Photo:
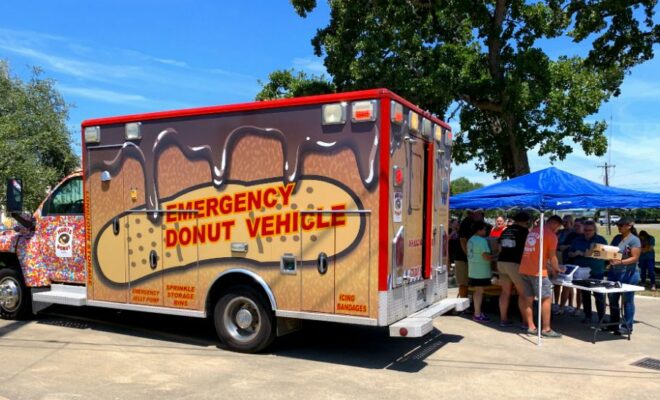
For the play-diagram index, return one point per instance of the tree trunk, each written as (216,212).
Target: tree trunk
(519,163)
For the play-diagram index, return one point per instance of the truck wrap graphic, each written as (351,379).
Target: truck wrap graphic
(202,223)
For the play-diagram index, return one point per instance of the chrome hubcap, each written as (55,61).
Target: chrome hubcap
(241,319)
(10,294)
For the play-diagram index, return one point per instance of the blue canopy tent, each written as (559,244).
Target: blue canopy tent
(551,189)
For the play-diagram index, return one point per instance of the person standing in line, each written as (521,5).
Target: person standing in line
(580,252)
(624,271)
(647,258)
(454,243)
(529,269)
(567,227)
(465,232)
(500,226)
(479,272)
(567,294)
(510,250)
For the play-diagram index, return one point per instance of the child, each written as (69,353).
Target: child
(479,271)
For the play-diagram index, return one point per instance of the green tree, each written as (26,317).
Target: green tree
(462,185)
(487,58)
(288,83)
(35,144)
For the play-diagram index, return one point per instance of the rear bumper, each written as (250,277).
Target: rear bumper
(421,322)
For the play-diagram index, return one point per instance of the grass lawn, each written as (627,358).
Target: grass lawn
(655,232)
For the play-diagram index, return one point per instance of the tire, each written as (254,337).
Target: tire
(15,297)
(243,320)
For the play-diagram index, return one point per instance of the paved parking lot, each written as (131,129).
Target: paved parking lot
(71,353)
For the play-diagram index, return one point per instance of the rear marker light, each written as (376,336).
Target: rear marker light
(403,332)
(93,134)
(334,114)
(413,121)
(363,111)
(397,113)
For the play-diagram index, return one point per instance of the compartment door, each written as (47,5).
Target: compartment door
(413,218)
(318,265)
(180,258)
(145,261)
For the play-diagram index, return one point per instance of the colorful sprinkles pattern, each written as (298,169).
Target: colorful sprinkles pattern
(36,252)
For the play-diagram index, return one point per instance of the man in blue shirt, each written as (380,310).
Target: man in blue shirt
(579,252)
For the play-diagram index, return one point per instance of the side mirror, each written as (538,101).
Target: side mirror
(14,195)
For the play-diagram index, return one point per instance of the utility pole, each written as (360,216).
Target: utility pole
(607,167)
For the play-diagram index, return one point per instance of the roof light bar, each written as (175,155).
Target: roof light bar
(363,111)
(92,134)
(396,113)
(133,131)
(437,133)
(426,127)
(334,114)
(413,121)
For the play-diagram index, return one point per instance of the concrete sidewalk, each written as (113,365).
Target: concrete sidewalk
(91,353)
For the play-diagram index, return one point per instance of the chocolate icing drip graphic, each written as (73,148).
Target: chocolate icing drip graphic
(114,166)
(216,148)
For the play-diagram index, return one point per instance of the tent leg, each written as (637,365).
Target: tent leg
(540,299)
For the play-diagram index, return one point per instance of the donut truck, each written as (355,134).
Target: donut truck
(257,216)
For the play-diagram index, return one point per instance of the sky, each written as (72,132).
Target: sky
(115,57)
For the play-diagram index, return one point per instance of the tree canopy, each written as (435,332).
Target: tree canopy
(35,144)
(287,83)
(462,185)
(488,62)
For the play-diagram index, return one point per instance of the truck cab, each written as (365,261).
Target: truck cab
(48,248)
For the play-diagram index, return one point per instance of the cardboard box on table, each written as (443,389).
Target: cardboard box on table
(605,252)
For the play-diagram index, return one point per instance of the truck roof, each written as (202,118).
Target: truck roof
(262,105)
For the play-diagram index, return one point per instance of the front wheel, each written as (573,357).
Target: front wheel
(15,298)
(243,321)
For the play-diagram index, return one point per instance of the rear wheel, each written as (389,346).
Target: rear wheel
(243,320)
(15,298)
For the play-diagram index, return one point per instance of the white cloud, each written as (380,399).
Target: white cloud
(168,61)
(313,65)
(107,96)
(74,67)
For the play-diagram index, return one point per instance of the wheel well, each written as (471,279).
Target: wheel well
(234,278)
(10,260)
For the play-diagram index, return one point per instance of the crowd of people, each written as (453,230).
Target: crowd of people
(511,249)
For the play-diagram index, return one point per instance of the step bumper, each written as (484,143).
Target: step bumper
(421,322)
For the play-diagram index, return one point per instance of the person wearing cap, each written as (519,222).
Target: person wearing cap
(529,269)
(510,246)
(624,271)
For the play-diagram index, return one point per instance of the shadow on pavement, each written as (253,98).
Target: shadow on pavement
(11,327)
(359,346)
(182,330)
(351,345)
(568,325)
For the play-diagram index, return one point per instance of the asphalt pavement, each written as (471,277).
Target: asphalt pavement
(87,353)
